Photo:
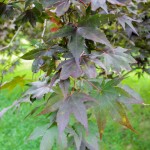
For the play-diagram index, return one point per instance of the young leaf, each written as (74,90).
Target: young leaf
(43,52)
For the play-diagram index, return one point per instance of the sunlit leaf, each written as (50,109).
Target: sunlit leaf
(18,80)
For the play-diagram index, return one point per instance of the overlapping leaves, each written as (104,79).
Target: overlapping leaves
(49,136)
(62,6)
(117,60)
(125,20)
(80,139)
(83,31)
(44,58)
(73,104)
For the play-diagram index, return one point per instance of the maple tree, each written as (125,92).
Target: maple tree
(84,54)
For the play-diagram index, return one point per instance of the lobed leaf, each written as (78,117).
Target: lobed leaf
(115,57)
(43,52)
(96,20)
(38,89)
(49,139)
(18,80)
(62,7)
(77,46)
(70,68)
(94,35)
(73,104)
(109,105)
(123,20)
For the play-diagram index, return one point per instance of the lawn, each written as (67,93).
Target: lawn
(15,130)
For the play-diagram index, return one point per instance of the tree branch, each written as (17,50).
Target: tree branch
(44,28)
(3,48)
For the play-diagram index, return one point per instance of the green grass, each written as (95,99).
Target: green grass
(15,130)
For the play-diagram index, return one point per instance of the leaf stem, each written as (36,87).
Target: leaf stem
(93,85)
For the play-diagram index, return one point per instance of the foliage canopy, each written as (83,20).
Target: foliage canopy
(84,48)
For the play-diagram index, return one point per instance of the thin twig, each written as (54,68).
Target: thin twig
(3,48)
(129,72)
(92,85)
(44,28)
(128,40)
